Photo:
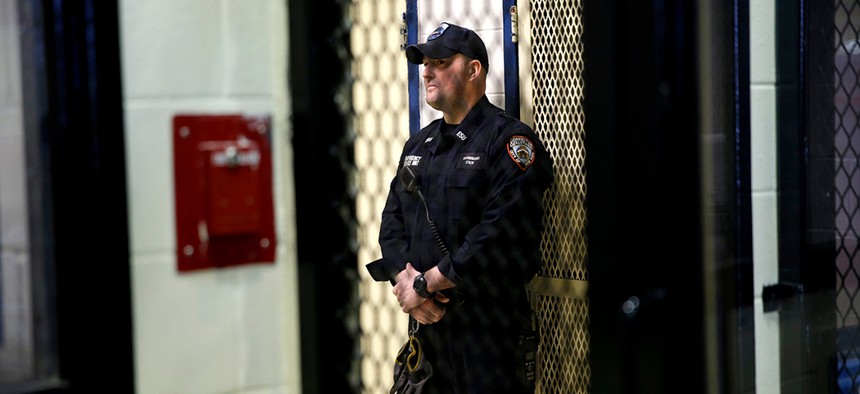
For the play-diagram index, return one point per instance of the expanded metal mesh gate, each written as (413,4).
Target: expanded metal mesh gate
(847,189)
(555,31)
(381,128)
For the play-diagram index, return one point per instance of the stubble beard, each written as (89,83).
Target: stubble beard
(433,100)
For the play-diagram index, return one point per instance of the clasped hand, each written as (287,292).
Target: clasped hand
(424,310)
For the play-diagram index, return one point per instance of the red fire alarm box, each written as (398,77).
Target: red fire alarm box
(224,194)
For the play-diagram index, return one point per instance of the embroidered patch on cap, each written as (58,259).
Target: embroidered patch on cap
(522,151)
(438,32)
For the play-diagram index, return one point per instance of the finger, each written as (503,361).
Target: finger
(436,314)
(440,313)
(441,298)
(421,319)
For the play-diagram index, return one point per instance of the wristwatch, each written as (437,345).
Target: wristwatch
(420,286)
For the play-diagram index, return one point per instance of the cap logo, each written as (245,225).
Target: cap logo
(438,32)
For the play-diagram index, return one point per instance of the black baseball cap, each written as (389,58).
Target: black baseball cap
(446,41)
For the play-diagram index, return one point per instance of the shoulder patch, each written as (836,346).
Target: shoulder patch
(522,151)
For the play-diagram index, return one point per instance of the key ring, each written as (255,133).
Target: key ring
(413,325)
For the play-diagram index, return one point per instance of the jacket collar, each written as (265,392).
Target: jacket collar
(464,131)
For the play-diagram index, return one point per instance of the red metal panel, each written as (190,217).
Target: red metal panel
(224,193)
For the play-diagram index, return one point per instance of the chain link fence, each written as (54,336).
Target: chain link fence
(846,114)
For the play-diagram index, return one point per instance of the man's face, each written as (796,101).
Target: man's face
(445,81)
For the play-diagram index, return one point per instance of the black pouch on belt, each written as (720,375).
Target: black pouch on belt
(528,347)
(527,358)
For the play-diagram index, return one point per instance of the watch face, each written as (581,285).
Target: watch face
(420,286)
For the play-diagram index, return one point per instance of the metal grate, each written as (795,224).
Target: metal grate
(847,189)
(555,33)
(381,126)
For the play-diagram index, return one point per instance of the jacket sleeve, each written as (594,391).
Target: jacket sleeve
(392,239)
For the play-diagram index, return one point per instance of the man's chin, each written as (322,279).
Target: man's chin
(434,106)
(431,102)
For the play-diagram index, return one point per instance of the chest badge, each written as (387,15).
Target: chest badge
(522,151)
(411,160)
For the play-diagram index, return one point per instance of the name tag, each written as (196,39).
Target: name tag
(472,161)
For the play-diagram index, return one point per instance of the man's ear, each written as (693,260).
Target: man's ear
(474,68)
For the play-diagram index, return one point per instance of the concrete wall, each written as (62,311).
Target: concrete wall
(222,330)
(16,329)
(764,188)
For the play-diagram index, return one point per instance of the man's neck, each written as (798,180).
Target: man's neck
(456,116)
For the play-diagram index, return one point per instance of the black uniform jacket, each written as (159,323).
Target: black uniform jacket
(482,185)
